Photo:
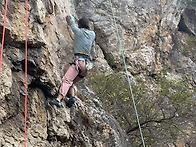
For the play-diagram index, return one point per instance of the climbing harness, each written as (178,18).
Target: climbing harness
(80,57)
(122,52)
(83,57)
(129,81)
(2,43)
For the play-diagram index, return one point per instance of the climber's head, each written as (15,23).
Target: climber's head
(83,23)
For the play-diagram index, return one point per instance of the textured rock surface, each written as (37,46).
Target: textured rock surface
(137,30)
(187,23)
(149,34)
(49,52)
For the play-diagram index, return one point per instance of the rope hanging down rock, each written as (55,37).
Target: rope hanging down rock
(73,6)
(3,36)
(122,52)
(2,43)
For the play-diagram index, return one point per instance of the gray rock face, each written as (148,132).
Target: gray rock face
(180,63)
(146,29)
(142,25)
(187,23)
(49,52)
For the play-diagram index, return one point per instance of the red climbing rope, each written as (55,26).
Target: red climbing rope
(26,72)
(3,35)
(25,60)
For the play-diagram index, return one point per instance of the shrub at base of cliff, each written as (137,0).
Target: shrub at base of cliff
(190,49)
(165,106)
(191,2)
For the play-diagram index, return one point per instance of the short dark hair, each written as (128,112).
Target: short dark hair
(83,23)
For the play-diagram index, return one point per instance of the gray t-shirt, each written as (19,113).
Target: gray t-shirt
(83,38)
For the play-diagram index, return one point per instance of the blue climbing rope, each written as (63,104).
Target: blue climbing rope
(73,6)
(122,52)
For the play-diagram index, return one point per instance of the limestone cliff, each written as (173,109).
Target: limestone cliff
(149,33)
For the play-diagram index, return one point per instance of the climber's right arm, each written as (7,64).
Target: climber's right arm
(71,22)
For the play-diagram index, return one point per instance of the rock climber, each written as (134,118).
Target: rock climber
(83,40)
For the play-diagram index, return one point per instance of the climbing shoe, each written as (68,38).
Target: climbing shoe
(55,102)
(70,102)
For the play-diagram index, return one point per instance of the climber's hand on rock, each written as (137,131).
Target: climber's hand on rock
(68,18)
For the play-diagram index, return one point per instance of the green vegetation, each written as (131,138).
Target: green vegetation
(191,2)
(115,66)
(110,61)
(163,105)
(190,50)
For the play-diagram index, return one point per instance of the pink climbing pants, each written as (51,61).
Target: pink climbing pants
(74,74)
